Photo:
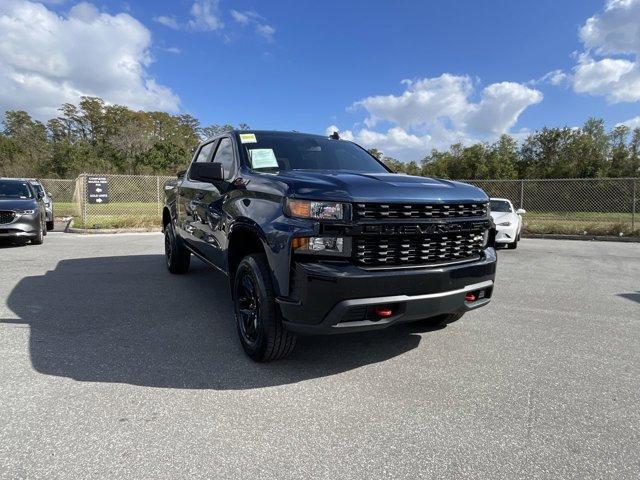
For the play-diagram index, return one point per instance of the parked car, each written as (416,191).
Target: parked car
(22,211)
(508,222)
(317,236)
(48,202)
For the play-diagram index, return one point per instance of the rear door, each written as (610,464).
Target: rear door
(189,194)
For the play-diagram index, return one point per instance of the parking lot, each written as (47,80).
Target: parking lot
(112,368)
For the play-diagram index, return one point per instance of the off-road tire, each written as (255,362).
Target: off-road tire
(177,257)
(268,340)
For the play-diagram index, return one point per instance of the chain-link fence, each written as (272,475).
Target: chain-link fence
(603,206)
(120,201)
(65,196)
(598,206)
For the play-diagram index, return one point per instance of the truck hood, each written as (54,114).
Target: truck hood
(375,187)
(17,203)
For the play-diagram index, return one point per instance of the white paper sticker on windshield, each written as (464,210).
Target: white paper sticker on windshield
(263,158)
(248,138)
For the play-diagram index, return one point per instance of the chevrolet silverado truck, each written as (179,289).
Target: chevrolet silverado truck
(317,236)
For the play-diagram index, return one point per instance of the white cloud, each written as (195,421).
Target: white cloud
(265,31)
(47,59)
(249,17)
(436,112)
(205,16)
(500,106)
(632,123)
(167,21)
(614,32)
(430,101)
(240,17)
(554,77)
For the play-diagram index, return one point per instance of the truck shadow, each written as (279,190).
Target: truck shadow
(125,319)
(633,296)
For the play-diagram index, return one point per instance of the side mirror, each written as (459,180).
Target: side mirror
(49,195)
(521,211)
(206,172)
(40,195)
(180,173)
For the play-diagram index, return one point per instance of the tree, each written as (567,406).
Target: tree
(375,152)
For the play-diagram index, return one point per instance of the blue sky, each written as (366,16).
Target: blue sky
(405,76)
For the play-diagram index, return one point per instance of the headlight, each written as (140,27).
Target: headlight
(315,210)
(25,212)
(504,224)
(47,204)
(322,245)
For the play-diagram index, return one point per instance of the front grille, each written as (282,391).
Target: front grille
(6,216)
(401,250)
(418,210)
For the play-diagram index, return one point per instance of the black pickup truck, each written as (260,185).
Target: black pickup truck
(317,236)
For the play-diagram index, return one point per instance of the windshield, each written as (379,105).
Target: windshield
(15,189)
(500,206)
(280,151)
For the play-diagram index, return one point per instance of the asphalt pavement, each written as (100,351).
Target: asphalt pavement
(110,367)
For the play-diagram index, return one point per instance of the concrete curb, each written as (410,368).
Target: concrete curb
(104,231)
(598,238)
(101,231)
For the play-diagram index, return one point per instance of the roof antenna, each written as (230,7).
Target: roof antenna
(334,136)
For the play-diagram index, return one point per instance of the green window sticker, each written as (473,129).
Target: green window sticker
(263,158)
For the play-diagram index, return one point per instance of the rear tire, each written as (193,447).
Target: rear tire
(177,257)
(262,334)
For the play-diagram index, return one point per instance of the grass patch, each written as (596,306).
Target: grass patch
(581,223)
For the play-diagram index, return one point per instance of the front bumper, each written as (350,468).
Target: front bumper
(506,234)
(328,298)
(25,226)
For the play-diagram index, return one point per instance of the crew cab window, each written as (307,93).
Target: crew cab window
(205,152)
(224,155)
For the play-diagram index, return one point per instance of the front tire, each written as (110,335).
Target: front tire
(177,257)
(513,245)
(39,239)
(259,323)
(50,225)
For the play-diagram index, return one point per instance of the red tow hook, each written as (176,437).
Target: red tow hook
(470,297)
(383,311)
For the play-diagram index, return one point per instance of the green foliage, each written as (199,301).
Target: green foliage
(100,138)
(96,137)
(587,152)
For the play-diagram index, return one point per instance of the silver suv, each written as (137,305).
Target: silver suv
(22,211)
(46,198)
